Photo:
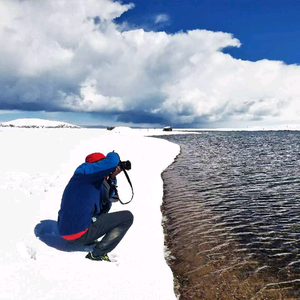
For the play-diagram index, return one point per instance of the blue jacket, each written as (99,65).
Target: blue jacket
(81,198)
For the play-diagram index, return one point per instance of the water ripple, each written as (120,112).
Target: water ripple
(233,215)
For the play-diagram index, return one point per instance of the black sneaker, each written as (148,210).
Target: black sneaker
(101,257)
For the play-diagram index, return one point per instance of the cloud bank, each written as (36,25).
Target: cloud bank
(72,56)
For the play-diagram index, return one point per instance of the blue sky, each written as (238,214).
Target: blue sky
(267,29)
(184,63)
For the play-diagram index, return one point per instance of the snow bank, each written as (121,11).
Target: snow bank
(37,123)
(123,130)
(35,167)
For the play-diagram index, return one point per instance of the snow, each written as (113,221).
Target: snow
(35,263)
(37,123)
(122,129)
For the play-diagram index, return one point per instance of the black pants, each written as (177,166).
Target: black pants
(112,225)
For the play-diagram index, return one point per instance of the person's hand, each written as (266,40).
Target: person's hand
(116,172)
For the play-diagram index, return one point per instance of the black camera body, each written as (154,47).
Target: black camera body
(125,165)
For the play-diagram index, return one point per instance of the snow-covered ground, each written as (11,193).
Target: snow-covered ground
(35,263)
(34,123)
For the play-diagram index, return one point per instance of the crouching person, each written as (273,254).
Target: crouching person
(83,217)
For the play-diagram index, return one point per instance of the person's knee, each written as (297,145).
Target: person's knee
(128,216)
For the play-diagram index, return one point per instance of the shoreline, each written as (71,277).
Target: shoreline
(169,256)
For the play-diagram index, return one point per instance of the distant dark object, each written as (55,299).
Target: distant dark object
(110,128)
(167,128)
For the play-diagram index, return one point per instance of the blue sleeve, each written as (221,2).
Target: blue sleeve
(101,168)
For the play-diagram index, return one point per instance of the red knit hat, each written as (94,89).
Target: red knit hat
(94,157)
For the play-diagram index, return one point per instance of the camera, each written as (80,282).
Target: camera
(125,165)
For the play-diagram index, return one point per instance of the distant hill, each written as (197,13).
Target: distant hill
(37,123)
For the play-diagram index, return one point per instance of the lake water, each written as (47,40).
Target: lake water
(232,208)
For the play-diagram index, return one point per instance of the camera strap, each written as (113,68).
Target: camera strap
(129,181)
(116,194)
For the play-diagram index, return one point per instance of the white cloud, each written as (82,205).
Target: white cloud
(162,18)
(55,57)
